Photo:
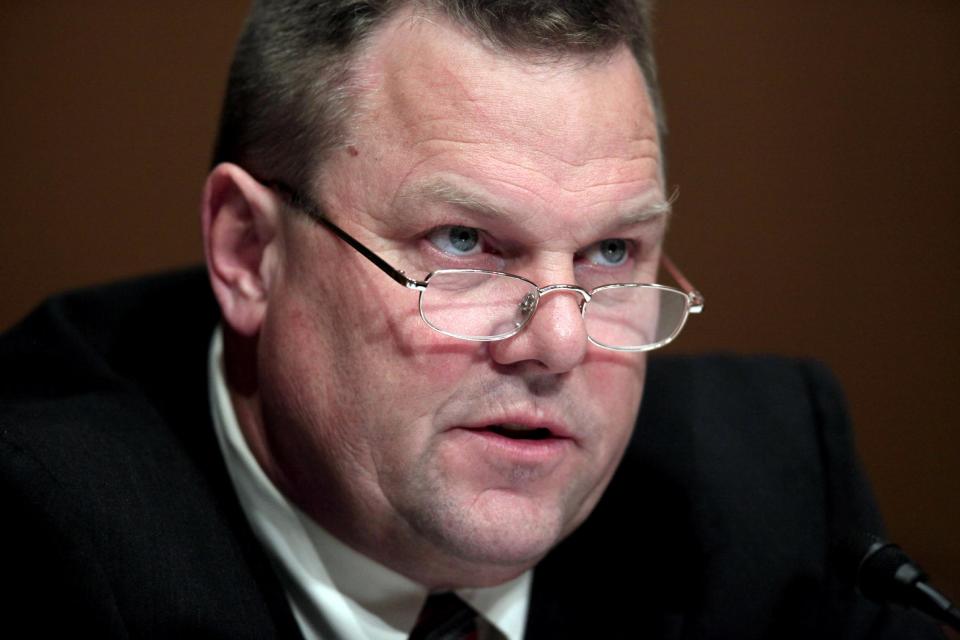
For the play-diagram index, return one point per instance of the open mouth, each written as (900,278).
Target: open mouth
(516,432)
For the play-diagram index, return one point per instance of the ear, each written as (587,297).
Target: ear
(240,225)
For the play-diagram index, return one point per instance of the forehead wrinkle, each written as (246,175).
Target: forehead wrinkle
(588,177)
(534,152)
(607,167)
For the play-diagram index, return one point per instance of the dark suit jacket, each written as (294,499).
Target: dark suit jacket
(119,518)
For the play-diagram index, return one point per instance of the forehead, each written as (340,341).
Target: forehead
(560,133)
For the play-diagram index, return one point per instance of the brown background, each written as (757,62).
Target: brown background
(816,147)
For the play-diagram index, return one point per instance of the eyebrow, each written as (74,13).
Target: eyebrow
(450,193)
(642,209)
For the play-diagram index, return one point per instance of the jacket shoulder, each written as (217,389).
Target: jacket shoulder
(117,500)
(739,480)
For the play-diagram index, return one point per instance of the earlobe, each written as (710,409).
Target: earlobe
(239,235)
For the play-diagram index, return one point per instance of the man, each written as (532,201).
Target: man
(383,434)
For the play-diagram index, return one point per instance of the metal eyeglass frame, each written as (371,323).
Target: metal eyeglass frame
(695,300)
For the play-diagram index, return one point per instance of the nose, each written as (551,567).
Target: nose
(554,338)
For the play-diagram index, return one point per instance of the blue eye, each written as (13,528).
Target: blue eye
(608,253)
(457,241)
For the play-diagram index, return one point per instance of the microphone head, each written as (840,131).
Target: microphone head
(884,573)
(880,569)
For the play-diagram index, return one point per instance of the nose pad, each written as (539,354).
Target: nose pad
(528,305)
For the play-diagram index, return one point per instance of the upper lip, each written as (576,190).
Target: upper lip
(523,421)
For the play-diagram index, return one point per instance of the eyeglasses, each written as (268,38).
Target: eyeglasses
(485,306)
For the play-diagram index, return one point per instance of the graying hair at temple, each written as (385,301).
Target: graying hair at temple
(288,95)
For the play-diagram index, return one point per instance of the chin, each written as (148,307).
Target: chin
(499,536)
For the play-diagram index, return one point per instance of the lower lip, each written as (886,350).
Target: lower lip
(516,449)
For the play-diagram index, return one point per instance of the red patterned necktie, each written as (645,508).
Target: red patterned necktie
(445,617)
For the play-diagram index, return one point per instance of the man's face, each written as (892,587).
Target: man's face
(414,447)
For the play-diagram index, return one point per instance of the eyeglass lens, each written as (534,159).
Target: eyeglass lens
(634,316)
(476,306)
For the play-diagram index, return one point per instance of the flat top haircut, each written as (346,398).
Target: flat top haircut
(288,94)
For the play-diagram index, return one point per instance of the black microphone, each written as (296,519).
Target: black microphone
(884,573)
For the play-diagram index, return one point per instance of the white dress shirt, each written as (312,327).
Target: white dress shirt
(335,592)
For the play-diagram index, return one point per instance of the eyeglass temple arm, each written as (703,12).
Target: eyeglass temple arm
(696,298)
(296,199)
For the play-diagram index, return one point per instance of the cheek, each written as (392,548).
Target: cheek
(616,376)
(420,371)
(421,358)
(398,370)
(614,387)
